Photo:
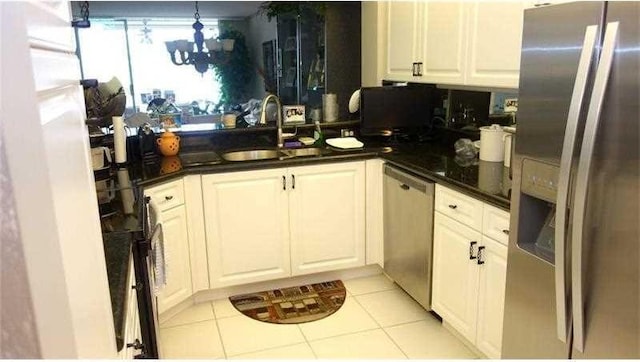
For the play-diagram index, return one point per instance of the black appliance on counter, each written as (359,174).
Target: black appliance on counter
(395,110)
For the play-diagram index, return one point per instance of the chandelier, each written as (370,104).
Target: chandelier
(218,50)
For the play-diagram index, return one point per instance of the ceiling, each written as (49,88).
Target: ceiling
(169,9)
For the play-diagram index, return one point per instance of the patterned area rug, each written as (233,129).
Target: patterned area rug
(299,304)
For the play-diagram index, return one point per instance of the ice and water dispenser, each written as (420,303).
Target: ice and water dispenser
(538,191)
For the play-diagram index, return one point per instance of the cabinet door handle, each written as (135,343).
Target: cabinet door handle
(506,231)
(480,249)
(414,69)
(420,69)
(136,344)
(405,187)
(284,182)
(471,245)
(453,207)
(293,182)
(168,198)
(541,4)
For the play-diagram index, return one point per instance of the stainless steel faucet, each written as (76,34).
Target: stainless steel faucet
(263,118)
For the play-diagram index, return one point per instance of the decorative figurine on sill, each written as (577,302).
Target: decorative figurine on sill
(168,113)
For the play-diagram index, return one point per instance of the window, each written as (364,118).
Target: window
(146,64)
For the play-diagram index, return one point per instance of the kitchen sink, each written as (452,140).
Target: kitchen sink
(303,152)
(251,155)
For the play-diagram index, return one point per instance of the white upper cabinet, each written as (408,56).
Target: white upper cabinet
(403,19)
(453,42)
(444,34)
(495,40)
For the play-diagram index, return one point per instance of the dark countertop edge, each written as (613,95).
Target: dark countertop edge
(118,264)
(494,200)
(337,156)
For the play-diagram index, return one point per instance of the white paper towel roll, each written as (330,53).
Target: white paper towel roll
(119,139)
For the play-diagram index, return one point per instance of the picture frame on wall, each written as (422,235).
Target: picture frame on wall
(293,114)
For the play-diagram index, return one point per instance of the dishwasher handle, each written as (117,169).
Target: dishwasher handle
(408,181)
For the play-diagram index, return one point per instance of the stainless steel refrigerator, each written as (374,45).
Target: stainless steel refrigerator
(573,272)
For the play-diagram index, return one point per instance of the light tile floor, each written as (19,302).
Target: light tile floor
(377,321)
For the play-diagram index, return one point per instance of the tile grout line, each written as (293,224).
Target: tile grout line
(307,341)
(224,350)
(385,332)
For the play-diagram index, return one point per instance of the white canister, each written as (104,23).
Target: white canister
(119,139)
(330,107)
(491,143)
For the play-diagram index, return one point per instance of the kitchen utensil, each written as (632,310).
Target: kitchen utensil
(168,143)
(492,144)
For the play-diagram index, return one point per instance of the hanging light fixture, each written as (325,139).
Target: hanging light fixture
(145,33)
(217,49)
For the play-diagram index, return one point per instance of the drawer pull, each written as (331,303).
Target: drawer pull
(480,249)
(168,198)
(506,231)
(471,245)
(453,207)
(136,344)
(405,187)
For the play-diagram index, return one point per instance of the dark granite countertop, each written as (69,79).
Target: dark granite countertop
(117,251)
(488,181)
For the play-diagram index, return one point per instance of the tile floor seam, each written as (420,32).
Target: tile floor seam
(381,327)
(306,340)
(344,334)
(269,349)
(224,350)
(187,323)
(375,291)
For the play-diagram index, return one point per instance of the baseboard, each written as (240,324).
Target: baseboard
(213,294)
(346,274)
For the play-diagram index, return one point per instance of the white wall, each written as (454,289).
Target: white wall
(372,43)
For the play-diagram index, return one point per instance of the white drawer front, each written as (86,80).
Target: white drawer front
(496,224)
(459,207)
(167,195)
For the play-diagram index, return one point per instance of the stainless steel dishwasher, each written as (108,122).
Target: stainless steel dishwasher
(408,232)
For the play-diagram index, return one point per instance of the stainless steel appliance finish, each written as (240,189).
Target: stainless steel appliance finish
(408,232)
(573,275)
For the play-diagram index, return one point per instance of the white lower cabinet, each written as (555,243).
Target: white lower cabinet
(491,297)
(326,213)
(269,224)
(172,213)
(455,274)
(247,226)
(469,272)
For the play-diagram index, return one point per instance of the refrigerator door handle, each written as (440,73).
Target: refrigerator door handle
(584,65)
(582,180)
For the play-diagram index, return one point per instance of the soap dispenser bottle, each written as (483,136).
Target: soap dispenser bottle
(317,134)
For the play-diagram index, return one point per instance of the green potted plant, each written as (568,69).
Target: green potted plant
(234,73)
